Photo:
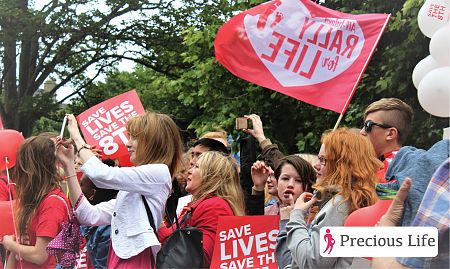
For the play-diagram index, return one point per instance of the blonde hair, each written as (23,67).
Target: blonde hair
(158,139)
(220,177)
(219,135)
(35,175)
(398,114)
(311,158)
(352,165)
(267,195)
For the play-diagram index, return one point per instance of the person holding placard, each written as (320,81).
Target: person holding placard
(155,148)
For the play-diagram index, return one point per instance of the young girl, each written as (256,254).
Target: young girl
(155,148)
(346,177)
(41,207)
(294,176)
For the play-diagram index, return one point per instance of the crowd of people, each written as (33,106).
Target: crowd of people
(128,213)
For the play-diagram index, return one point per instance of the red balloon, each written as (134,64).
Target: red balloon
(9,145)
(368,216)
(6,218)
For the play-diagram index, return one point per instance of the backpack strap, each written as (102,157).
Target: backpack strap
(64,201)
(149,214)
(152,224)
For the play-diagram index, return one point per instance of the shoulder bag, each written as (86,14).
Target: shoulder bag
(183,248)
(66,245)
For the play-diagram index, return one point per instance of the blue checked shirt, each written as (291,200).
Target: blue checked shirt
(434,211)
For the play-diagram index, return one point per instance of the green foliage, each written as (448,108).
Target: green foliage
(185,80)
(63,38)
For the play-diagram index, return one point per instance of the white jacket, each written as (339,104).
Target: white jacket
(131,232)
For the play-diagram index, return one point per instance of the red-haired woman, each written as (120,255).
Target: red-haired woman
(346,177)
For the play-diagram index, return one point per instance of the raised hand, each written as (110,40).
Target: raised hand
(393,215)
(260,173)
(97,151)
(257,131)
(64,152)
(285,211)
(72,126)
(305,201)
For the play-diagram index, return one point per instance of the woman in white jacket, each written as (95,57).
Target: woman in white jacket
(155,148)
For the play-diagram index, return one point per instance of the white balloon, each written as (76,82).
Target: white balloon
(434,92)
(422,68)
(433,15)
(440,45)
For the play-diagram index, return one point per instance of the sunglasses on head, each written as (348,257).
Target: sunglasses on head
(368,125)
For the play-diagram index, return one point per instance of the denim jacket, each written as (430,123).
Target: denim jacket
(97,244)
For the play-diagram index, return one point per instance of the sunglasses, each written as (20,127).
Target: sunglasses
(368,125)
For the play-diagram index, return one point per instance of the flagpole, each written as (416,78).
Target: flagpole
(360,75)
(338,121)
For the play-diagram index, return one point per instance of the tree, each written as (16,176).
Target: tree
(401,47)
(203,95)
(62,40)
(296,125)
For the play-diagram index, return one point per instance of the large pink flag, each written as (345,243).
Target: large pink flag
(301,49)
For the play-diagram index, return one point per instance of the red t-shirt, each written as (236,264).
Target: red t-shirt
(47,221)
(386,159)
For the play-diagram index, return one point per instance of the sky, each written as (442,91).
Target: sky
(124,65)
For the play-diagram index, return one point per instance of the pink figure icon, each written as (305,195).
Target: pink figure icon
(328,237)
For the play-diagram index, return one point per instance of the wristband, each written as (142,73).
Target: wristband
(84,146)
(67,177)
(77,203)
(257,192)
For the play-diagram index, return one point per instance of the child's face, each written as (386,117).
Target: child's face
(289,184)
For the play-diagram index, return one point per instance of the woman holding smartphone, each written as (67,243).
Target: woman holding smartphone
(155,148)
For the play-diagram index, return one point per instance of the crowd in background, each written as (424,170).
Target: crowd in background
(127,213)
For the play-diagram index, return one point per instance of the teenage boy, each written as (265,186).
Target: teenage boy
(387,124)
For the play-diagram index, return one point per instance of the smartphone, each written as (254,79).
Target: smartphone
(317,194)
(243,123)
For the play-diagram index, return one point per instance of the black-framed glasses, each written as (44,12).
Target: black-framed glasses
(368,125)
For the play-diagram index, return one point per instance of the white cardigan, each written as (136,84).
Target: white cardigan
(131,232)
